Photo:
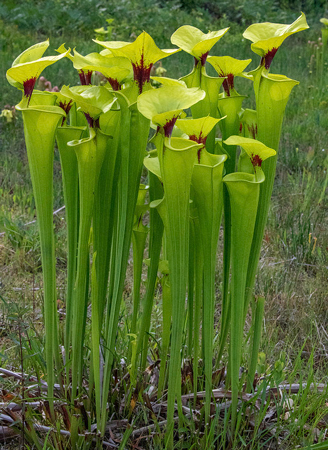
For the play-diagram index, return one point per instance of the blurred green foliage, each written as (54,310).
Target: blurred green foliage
(245,12)
(56,17)
(160,18)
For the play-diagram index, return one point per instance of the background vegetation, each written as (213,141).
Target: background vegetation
(293,273)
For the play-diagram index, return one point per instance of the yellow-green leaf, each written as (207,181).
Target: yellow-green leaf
(225,65)
(32,53)
(166,103)
(267,37)
(324,21)
(256,150)
(168,81)
(195,42)
(92,100)
(197,129)
(143,53)
(24,75)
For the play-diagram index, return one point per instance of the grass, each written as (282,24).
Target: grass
(292,276)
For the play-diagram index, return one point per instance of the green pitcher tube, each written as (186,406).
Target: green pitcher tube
(139,236)
(167,316)
(177,157)
(198,298)
(272,98)
(85,150)
(104,206)
(42,98)
(132,147)
(40,124)
(69,169)
(154,250)
(243,192)
(230,108)
(208,197)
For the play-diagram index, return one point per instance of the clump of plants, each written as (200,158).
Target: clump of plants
(219,159)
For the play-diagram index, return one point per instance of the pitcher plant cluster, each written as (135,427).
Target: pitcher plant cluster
(194,178)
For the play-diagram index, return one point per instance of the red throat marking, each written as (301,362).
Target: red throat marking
(28,87)
(267,59)
(168,127)
(141,73)
(114,84)
(256,160)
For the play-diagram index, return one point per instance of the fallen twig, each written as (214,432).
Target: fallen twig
(18,406)
(149,428)
(44,429)
(7,433)
(295,388)
(291,388)
(218,394)
(22,376)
